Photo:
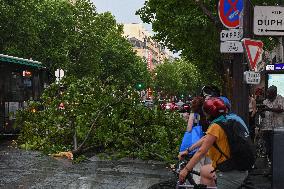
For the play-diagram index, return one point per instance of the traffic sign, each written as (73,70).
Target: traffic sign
(229,12)
(279,66)
(252,78)
(254,50)
(275,67)
(268,20)
(59,74)
(231,47)
(269,67)
(231,35)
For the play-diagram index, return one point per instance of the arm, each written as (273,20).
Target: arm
(197,144)
(190,122)
(194,146)
(276,110)
(206,145)
(279,109)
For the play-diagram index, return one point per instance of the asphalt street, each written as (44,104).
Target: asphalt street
(29,169)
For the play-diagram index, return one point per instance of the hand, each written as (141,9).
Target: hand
(182,154)
(266,108)
(279,109)
(182,175)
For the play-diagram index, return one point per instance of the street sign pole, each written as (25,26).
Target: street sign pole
(240,88)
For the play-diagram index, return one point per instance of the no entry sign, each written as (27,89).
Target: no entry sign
(229,12)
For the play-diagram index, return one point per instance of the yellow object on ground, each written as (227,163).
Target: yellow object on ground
(68,154)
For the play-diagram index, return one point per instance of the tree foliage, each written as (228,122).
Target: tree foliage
(191,27)
(102,116)
(177,78)
(101,107)
(73,37)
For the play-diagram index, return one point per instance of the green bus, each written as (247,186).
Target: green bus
(20,80)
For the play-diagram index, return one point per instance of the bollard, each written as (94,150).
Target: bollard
(277,158)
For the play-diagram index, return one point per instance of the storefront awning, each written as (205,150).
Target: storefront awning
(22,61)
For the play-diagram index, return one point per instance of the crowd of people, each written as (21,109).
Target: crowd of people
(213,152)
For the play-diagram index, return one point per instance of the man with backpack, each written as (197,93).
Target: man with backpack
(228,145)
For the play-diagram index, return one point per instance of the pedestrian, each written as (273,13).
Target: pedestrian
(196,115)
(273,117)
(196,127)
(252,112)
(215,110)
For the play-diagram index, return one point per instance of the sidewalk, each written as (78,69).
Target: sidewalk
(259,178)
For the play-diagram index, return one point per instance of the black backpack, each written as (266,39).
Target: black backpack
(242,150)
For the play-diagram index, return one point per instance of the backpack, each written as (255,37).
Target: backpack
(242,150)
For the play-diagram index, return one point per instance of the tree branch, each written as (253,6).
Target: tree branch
(79,149)
(209,14)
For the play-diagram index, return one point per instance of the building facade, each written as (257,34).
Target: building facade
(145,46)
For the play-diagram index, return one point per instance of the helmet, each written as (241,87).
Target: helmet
(214,107)
(226,101)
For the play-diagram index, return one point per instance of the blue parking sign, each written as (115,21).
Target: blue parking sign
(229,12)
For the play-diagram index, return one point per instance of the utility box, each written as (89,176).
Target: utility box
(277,162)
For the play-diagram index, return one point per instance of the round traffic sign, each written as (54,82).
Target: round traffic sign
(229,12)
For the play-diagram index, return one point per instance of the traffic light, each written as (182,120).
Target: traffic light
(139,86)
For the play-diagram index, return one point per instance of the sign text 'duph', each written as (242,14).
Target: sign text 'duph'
(269,20)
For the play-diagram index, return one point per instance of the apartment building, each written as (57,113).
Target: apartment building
(147,48)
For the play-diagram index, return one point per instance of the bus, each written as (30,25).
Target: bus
(21,80)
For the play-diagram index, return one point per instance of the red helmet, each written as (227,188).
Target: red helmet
(214,107)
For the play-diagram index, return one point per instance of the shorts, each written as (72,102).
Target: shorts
(230,179)
(204,161)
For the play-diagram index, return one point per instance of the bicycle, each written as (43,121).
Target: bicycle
(175,184)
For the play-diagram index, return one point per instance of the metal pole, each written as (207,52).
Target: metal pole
(281,39)
(280,56)
(240,89)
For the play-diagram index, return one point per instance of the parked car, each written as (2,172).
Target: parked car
(180,104)
(186,108)
(171,106)
(148,103)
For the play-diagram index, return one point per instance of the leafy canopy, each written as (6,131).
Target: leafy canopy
(102,109)
(192,28)
(177,78)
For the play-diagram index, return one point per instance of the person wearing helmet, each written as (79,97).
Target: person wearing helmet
(231,115)
(215,111)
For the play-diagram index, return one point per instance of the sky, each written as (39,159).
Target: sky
(123,10)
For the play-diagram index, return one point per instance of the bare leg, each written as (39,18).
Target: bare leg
(206,175)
